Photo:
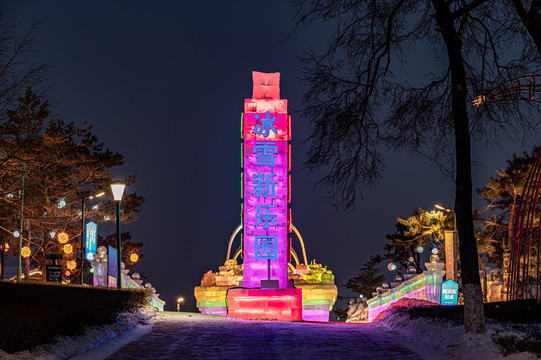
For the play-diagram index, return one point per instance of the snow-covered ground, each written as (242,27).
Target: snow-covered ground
(452,339)
(131,325)
(166,336)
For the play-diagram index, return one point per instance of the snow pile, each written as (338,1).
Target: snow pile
(65,347)
(450,338)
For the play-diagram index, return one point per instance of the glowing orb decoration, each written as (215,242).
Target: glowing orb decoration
(412,269)
(62,204)
(391,267)
(106,218)
(63,238)
(9,196)
(68,249)
(72,264)
(52,234)
(134,257)
(95,207)
(420,249)
(25,251)
(67,273)
(102,250)
(434,251)
(16,234)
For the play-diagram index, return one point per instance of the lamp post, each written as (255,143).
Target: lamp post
(19,267)
(117,188)
(83,230)
(451,238)
(179,300)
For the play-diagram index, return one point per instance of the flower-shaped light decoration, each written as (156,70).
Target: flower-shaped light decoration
(72,264)
(63,238)
(68,249)
(134,257)
(25,251)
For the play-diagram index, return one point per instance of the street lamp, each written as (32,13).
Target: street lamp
(117,188)
(179,300)
(83,230)
(438,206)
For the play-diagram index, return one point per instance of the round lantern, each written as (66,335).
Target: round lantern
(72,264)
(68,249)
(25,251)
(134,257)
(63,238)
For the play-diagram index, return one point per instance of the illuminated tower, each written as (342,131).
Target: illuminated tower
(265,178)
(266,216)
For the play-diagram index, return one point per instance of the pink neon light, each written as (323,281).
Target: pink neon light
(270,304)
(315,315)
(264,105)
(257,269)
(281,124)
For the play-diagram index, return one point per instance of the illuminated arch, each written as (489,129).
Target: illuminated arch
(293,255)
(239,228)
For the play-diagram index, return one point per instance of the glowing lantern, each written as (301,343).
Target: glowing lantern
(67,273)
(25,251)
(6,246)
(68,249)
(134,257)
(63,238)
(72,264)
(62,204)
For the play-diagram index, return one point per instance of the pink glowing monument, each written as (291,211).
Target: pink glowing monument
(266,216)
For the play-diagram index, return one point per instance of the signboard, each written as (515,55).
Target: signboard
(91,234)
(265,185)
(449,292)
(54,273)
(450,256)
(112,270)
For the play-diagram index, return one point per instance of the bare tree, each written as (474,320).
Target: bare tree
(358,102)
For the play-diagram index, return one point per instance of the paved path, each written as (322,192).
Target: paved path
(205,337)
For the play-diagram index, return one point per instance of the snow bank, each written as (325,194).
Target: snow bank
(449,338)
(65,347)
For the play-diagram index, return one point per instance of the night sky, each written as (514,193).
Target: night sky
(164,84)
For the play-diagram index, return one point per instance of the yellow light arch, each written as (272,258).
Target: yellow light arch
(239,228)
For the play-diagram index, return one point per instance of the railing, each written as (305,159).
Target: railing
(425,286)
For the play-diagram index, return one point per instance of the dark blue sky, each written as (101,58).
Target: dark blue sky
(164,84)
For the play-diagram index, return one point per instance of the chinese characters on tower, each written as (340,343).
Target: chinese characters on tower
(266,164)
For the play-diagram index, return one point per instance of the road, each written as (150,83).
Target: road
(207,337)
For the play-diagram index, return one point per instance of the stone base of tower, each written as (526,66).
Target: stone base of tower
(265,304)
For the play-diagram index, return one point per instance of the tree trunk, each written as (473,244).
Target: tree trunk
(485,280)
(531,20)
(27,259)
(506,249)
(2,258)
(474,318)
